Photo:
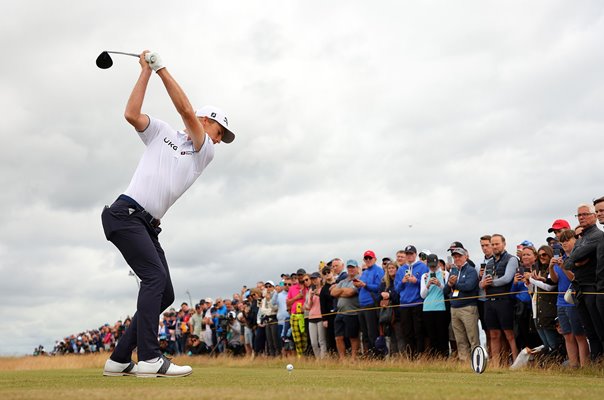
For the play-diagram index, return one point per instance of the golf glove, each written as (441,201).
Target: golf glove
(155,61)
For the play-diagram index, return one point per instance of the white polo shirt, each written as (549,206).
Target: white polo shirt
(168,167)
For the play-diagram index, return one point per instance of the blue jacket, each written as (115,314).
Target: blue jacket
(467,284)
(409,292)
(372,277)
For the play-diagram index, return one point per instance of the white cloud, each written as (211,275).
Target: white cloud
(358,126)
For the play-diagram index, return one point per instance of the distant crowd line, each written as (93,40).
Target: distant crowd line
(547,297)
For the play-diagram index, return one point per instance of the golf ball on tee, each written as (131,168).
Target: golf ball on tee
(290,367)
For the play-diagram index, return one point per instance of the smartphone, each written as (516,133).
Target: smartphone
(489,270)
(454,271)
(408,272)
(520,270)
(313,287)
(432,275)
(556,252)
(483,265)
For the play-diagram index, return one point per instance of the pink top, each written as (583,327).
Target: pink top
(293,291)
(313,305)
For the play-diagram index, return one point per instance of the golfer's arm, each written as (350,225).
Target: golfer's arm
(184,108)
(135,103)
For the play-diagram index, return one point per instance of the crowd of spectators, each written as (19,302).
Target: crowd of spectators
(412,304)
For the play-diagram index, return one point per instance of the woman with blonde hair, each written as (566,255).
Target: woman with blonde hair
(390,298)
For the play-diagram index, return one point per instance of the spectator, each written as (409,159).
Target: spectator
(390,298)
(499,308)
(385,262)
(346,322)
(206,327)
(524,324)
(407,284)
(251,321)
(571,326)
(462,289)
(401,259)
(282,311)
(197,347)
(234,345)
(328,308)
(368,287)
(436,321)
(558,226)
(583,263)
(316,328)
(545,301)
(487,251)
(268,312)
(599,209)
(295,303)
(339,272)
(196,322)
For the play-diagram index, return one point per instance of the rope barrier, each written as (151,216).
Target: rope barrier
(440,301)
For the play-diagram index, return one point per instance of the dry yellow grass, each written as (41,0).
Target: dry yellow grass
(77,377)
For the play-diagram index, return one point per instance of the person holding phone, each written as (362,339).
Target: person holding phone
(316,330)
(545,303)
(436,320)
(499,308)
(571,326)
(462,290)
(407,285)
(523,309)
(390,298)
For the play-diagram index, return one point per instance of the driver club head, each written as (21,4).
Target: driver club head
(104,61)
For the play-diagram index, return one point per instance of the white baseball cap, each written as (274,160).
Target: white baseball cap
(219,116)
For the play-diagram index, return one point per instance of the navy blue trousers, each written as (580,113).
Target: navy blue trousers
(138,242)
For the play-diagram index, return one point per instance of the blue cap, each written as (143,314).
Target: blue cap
(352,263)
(527,243)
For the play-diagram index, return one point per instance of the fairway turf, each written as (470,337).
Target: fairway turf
(80,377)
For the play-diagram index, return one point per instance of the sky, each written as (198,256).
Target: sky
(360,125)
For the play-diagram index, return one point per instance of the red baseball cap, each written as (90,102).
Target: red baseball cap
(369,253)
(559,224)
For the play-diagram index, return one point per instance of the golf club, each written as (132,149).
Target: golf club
(104,61)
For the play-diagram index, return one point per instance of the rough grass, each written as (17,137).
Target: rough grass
(77,377)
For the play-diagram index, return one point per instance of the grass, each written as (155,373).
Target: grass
(79,377)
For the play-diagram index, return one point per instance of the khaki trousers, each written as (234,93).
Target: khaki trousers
(465,328)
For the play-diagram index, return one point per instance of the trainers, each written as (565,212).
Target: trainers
(162,368)
(113,368)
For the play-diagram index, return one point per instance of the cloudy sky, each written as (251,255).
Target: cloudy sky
(360,125)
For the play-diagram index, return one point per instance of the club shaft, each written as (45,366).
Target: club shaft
(126,54)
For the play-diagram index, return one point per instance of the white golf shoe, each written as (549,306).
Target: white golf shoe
(113,368)
(162,368)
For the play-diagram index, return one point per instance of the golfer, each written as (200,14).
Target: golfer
(171,162)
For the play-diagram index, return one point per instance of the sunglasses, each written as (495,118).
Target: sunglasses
(367,258)
(326,272)
(306,280)
(287,284)
(543,255)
